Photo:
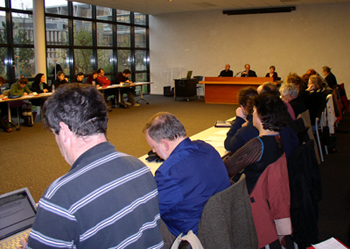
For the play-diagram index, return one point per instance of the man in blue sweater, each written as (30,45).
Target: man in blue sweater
(192,172)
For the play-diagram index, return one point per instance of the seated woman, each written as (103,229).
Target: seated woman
(298,81)
(272,74)
(315,97)
(265,166)
(39,85)
(21,89)
(92,79)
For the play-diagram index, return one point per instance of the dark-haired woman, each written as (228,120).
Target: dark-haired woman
(265,166)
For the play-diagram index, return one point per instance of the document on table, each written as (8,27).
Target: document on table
(331,243)
(215,141)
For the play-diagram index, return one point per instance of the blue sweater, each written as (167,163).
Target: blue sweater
(192,173)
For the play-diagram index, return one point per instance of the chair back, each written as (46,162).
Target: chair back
(227,220)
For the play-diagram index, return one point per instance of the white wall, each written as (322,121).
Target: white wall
(310,37)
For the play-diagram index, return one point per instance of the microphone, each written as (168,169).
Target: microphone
(237,74)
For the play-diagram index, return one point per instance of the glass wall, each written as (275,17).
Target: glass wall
(79,37)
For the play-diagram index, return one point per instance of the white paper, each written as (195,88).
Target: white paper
(331,243)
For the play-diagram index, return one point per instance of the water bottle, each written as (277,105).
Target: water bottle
(53,88)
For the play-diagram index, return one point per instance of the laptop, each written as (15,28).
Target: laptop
(17,214)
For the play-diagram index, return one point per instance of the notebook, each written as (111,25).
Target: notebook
(17,214)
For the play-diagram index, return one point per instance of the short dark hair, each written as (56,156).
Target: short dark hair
(93,72)
(326,69)
(272,111)
(80,106)
(99,70)
(59,73)
(127,71)
(80,74)
(245,94)
(164,125)
(274,68)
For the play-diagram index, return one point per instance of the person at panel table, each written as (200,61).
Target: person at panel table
(227,72)
(272,73)
(130,91)
(247,72)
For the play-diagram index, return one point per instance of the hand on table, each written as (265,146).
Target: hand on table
(23,243)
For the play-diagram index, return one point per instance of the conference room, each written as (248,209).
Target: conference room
(175,38)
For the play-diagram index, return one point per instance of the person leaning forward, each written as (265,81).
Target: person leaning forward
(192,172)
(107,199)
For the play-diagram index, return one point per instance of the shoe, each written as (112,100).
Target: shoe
(136,105)
(7,130)
(128,103)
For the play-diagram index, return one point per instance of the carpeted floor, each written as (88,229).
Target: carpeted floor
(30,157)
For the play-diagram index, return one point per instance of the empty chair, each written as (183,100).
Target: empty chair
(227,220)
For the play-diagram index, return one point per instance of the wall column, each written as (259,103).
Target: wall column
(39,36)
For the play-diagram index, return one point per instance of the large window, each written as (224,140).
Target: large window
(79,37)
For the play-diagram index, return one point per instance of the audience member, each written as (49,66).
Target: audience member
(271,88)
(108,199)
(314,97)
(240,134)
(329,77)
(121,78)
(102,79)
(272,73)
(39,85)
(79,78)
(192,172)
(21,89)
(60,79)
(92,79)
(307,75)
(265,167)
(55,70)
(289,93)
(227,72)
(298,81)
(247,72)
(3,109)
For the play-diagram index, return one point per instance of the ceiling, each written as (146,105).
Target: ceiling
(159,7)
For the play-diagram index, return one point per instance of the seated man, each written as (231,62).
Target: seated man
(247,72)
(61,79)
(192,172)
(130,91)
(79,78)
(108,199)
(227,72)
(21,89)
(238,134)
(102,80)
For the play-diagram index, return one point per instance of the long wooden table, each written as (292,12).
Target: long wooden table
(224,90)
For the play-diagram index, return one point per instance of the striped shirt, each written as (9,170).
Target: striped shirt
(107,200)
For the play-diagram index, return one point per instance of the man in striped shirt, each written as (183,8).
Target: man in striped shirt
(108,199)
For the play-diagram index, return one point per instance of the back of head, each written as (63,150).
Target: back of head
(316,80)
(164,125)
(80,106)
(38,77)
(272,111)
(289,89)
(294,78)
(245,94)
(269,87)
